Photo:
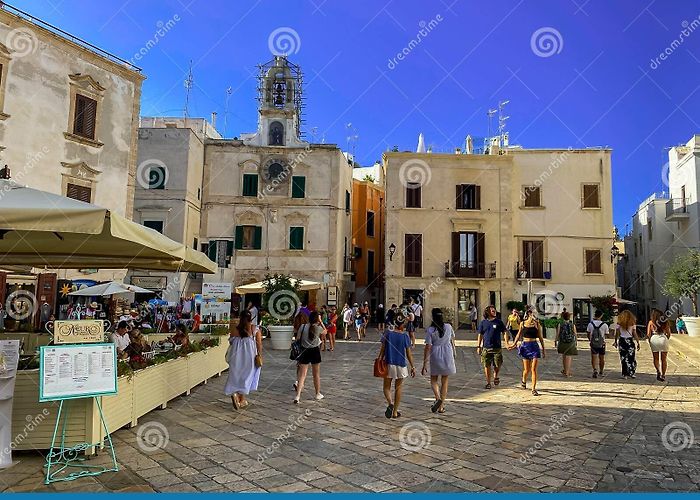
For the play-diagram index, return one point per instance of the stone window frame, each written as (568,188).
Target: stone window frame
(296,219)
(5,58)
(87,86)
(80,174)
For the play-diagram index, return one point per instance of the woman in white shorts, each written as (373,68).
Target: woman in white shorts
(658,334)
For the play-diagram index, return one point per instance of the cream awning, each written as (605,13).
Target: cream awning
(110,288)
(47,230)
(258,287)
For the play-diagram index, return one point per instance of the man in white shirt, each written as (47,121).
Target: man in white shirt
(417,311)
(121,338)
(253,313)
(348,318)
(597,331)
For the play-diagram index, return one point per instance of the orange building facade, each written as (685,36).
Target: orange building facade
(366,253)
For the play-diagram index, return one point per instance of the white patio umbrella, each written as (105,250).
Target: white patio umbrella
(258,287)
(111,288)
(43,229)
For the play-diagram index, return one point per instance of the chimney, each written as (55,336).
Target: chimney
(213,119)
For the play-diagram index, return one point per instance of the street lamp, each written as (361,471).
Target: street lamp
(392,250)
(614,253)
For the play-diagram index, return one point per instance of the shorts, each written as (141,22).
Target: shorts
(491,357)
(359,323)
(513,334)
(310,355)
(396,371)
(658,343)
(567,348)
(530,350)
(598,350)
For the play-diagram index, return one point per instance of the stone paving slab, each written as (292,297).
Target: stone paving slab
(581,434)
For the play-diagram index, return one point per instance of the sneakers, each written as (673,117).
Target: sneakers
(296,401)
(319,396)
(296,384)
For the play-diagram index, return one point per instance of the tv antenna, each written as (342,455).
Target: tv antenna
(229,91)
(189,83)
(352,139)
(502,135)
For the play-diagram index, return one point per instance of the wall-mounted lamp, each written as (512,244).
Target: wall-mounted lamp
(392,251)
(614,253)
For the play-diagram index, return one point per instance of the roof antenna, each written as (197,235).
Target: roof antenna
(189,83)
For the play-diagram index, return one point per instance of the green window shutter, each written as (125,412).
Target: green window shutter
(211,250)
(238,238)
(229,248)
(250,184)
(296,238)
(298,186)
(257,238)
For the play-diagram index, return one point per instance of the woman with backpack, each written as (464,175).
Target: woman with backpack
(658,334)
(440,350)
(565,342)
(625,337)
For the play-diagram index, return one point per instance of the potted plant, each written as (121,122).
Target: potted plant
(606,304)
(550,327)
(281,300)
(683,280)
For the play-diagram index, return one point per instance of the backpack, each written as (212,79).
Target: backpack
(566,333)
(597,337)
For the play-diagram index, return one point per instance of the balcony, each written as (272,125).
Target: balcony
(677,209)
(466,269)
(347,264)
(533,270)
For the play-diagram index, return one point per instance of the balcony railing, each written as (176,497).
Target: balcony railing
(677,209)
(467,269)
(347,264)
(533,270)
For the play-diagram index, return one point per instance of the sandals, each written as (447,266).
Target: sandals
(535,393)
(389,411)
(496,381)
(523,384)
(441,410)
(236,405)
(398,414)
(436,405)
(487,386)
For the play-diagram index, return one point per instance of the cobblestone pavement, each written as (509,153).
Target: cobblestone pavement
(581,434)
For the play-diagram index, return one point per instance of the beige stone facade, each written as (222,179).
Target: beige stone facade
(483,242)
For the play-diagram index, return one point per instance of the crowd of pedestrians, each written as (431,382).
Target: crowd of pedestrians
(315,332)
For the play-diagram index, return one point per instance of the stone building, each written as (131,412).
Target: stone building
(490,228)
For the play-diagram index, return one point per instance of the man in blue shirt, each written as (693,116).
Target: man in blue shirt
(492,333)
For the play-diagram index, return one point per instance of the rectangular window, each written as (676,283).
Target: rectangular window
(296,238)
(533,259)
(591,196)
(649,229)
(85,116)
(413,255)
(370,266)
(468,254)
(468,197)
(298,186)
(80,193)
(347,202)
(156,177)
(250,184)
(154,224)
(641,248)
(531,196)
(370,223)
(413,195)
(593,263)
(248,238)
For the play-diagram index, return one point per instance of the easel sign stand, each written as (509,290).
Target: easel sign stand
(79,365)
(9,359)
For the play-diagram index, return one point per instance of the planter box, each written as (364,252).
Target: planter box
(692,323)
(281,337)
(146,390)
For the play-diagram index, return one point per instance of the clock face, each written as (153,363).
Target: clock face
(275,170)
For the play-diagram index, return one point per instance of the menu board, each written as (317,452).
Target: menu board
(77,371)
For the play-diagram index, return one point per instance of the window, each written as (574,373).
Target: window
(276,135)
(649,229)
(250,184)
(156,177)
(248,238)
(296,238)
(413,195)
(195,243)
(80,193)
(370,266)
(468,254)
(370,223)
(591,196)
(156,225)
(347,202)
(468,197)
(298,186)
(593,263)
(531,196)
(641,248)
(413,255)
(652,282)
(533,259)
(85,116)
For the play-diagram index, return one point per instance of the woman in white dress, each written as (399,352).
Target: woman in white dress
(244,373)
(658,334)
(440,349)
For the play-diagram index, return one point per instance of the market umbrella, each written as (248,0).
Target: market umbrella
(47,230)
(258,287)
(111,288)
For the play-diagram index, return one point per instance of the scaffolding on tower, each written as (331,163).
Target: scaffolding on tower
(298,94)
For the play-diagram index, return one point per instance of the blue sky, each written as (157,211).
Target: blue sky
(595,86)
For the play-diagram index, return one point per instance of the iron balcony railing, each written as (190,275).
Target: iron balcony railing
(533,270)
